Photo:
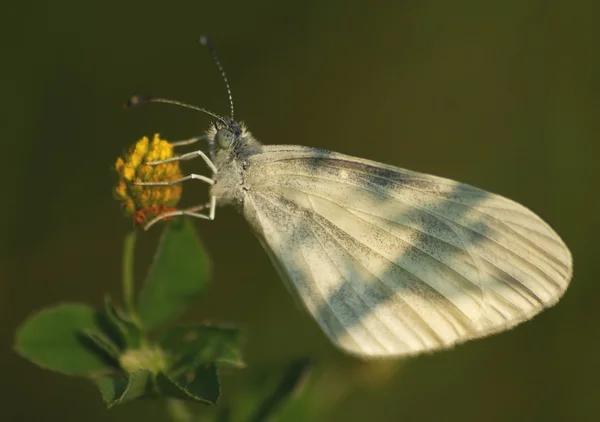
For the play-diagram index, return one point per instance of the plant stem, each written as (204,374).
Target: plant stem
(179,411)
(128,277)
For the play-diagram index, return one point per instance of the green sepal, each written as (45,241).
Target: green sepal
(177,277)
(200,384)
(191,346)
(123,389)
(120,327)
(103,342)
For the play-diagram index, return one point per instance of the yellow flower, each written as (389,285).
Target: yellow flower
(145,202)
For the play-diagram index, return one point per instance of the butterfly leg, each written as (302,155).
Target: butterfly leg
(187,156)
(181,179)
(211,144)
(192,212)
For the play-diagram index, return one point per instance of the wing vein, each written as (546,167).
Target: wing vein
(324,299)
(419,319)
(439,217)
(347,282)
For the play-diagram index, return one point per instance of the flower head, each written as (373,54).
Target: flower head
(146,202)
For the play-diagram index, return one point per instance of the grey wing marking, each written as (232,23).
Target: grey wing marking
(393,262)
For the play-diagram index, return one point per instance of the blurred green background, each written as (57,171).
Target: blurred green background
(501,95)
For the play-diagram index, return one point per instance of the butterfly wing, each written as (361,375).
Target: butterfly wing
(392,262)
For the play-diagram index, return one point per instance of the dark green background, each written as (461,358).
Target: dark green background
(503,95)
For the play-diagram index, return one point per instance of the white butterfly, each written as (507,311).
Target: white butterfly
(389,262)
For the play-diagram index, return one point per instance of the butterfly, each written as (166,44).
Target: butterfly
(389,262)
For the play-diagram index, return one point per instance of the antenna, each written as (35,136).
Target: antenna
(137,100)
(208,44)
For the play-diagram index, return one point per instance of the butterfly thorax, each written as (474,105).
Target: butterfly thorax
(233,145)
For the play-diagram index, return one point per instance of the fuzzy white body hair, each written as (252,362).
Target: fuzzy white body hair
(229,182)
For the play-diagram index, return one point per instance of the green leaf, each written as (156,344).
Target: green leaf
(119,390)
(120,327)
(271,392)
(200,384)
(190,346)
(54,339)
(178,275)
(291,382)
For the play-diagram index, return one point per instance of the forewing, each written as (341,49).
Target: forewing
(393,262)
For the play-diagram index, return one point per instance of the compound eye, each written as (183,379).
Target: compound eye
(224,138)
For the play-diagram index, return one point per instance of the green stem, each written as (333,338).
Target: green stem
(179,411)
(128,280)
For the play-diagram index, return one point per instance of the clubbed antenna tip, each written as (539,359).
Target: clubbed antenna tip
(205,41)
(136,100)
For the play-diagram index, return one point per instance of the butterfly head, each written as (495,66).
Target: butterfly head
(228,134)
